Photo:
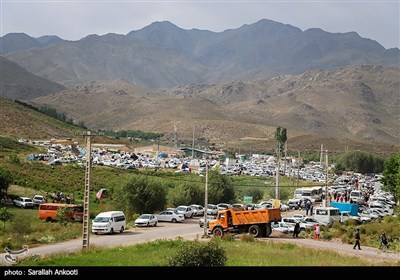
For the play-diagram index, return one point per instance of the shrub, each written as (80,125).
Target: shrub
(22,224)
(247,238)
(198,253)
(228,237)
(327,235)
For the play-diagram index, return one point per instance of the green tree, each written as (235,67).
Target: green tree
(391,175)
(186,194)
(220,188)
(256,193)
(5,215)
(5,181)
(141,195)
(63,215)
(361,162)
(280,137)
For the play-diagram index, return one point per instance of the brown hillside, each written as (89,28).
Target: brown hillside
(347,108)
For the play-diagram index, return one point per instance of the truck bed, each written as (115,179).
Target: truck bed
(256,216)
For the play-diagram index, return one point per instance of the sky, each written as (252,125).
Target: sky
(378,20)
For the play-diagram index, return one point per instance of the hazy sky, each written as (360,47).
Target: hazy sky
(378,20)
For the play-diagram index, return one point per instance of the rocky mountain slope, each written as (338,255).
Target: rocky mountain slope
(358,103)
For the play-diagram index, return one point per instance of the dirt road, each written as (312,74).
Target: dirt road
(190,230)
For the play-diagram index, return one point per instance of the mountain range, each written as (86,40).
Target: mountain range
(233,87)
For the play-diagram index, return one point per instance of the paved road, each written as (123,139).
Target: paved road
(369,253)
(190,230)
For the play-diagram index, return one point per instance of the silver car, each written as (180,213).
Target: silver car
(186,211)
(23,202)
(209,218)
(170,216)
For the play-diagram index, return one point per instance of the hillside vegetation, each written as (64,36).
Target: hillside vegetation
(19,121)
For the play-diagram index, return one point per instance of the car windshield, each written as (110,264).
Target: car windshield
(145,217)
(101,219)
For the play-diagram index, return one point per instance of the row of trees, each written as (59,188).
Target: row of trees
(143,194)
(132,133)
(49,111)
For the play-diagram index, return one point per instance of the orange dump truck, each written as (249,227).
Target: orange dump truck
(255,222)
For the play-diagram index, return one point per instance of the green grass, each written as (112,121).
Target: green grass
(156,253)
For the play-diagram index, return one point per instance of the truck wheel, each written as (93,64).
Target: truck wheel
(218,232)
(255,231)
(268,230)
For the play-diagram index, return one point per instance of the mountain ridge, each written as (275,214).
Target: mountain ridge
(163,55)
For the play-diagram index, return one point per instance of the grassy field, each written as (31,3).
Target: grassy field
(239,253)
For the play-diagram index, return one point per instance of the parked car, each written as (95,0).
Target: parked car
(282,227)
(198,210)
(309,222)
(209,218)
(223,206)
(293,204)
(212,209)
(146,220)
(252,206)
(284,207)
(172,209)
(23,202)
(37,199)
(169,216)
(239,207)
(292,222)
(187,211)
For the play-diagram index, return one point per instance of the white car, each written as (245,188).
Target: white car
(186,211)
(212,209)
(37,199)
(23,202)
(284,207)
(198,210)
(146,220)
(309,222)
(282,227)
(169,216)
(209,218)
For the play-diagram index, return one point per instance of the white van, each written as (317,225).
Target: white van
(356,196)
(327,215)
(109,222)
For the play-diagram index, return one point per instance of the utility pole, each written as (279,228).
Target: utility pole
(321,155)
(206,203)
(85,234)
(278,167)
(194,126)
(158,152)
(175,137)
(326,179)
(298,169)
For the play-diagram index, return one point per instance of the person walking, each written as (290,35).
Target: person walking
(357,239)
(383,241)
(296,229)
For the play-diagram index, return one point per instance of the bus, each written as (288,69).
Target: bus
(312,193)
(48,211)
(317,193)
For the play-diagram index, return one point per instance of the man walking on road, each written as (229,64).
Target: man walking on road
(357,238)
